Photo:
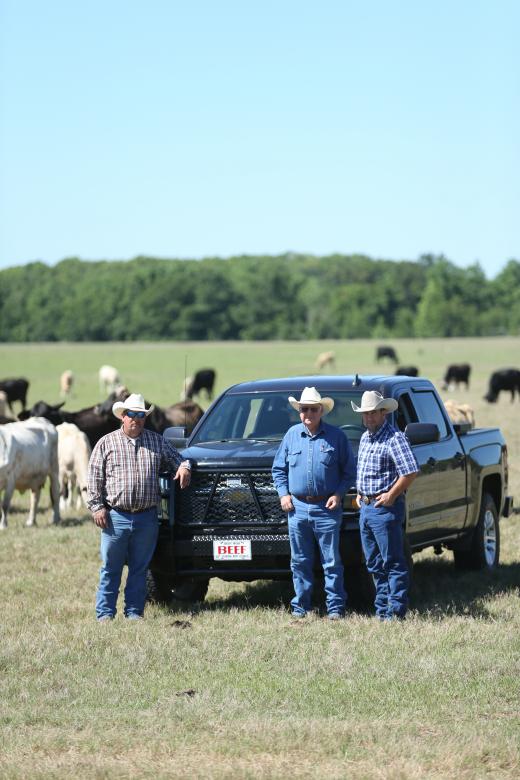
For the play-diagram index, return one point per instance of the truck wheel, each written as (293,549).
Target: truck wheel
(158,588)
(194,590)
(484,552)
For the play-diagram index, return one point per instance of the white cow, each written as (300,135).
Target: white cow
(66,382)
(4,409)
(325,359)
(73,457)
(460,413)
(28,455)
(108,379)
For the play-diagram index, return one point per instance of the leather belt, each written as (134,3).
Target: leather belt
(367,499)
(132,511)
(312,499)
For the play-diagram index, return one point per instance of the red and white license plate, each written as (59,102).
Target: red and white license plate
(232,550)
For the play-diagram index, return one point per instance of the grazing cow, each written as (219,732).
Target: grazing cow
(204,379)
(460,413)
(73,457)
(386,352)
(66,382)
(185,414)
(326,359)
(108,379)
(456,373)
(407,371)
(28,455)
(505,379)
(15,390)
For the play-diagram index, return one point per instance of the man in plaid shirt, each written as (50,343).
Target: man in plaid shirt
(123,493)
(386,469)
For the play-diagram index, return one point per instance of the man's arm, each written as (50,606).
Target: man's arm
(96,487)
(172,461)
(402,484)
(280,472)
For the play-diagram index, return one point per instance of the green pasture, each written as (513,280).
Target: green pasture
(233,689)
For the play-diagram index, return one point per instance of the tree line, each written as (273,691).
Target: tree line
(256,297)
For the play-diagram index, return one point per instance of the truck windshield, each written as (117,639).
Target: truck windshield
(269,415)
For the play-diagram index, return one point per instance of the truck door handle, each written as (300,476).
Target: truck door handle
(458,458)
(431,461)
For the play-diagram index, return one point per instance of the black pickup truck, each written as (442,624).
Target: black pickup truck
(229,522)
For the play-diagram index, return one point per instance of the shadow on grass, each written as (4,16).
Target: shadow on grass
(439,590)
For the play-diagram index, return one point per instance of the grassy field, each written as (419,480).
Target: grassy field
(235,689)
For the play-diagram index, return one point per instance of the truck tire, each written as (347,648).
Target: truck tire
(190,590)
(158,588)
(484,552)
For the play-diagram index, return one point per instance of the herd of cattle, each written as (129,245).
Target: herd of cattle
(46,441)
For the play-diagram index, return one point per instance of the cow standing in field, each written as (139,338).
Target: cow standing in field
(385,351)
(73,457)
(456,373)
(5,414)
(505,379)
(108,379)
(326,359)
(28,455)
(204,379)
(460,413)
(185,414)
(407,371)
(66,382)
(15,390)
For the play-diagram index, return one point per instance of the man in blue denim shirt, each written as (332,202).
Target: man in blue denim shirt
(312,470)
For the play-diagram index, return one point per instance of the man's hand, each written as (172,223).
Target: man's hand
(101,518)
(358,501)
(286,502)
(385,499)
(184,476)
(333,502)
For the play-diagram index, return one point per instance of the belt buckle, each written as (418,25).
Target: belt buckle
(365,500)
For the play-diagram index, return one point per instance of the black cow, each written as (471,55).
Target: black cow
(407,371)
(505,379)
(457,373)
(15,390)
(204,379)
(89,420)
(386,352)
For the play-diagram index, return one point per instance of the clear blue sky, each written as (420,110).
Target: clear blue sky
(203,128)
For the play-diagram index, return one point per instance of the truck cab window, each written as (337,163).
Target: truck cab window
(428,410)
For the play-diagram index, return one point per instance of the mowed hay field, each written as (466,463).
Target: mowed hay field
(235,689)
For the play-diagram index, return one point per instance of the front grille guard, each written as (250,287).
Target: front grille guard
(229,499)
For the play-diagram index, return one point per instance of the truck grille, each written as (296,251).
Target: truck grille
(230,498)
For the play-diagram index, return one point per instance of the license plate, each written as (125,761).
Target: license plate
(232,550)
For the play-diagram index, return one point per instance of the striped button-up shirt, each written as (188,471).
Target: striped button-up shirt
(124,473)
(383,457)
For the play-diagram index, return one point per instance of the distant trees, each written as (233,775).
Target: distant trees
(251,297)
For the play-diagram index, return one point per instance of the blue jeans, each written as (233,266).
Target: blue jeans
(129,539)
(382,539)
(310,523)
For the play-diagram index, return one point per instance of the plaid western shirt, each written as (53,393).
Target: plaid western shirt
(383,457)
(124,473)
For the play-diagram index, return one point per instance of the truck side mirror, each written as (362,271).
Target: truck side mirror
(177,435)
(421,433)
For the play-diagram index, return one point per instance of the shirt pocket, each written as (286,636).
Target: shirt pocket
(293,456)
(328,455)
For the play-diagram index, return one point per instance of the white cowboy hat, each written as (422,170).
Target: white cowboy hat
(134,402)
(371,400)
(311,396)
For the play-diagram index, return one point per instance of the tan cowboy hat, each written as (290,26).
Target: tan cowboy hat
(311,396)
(134,402)
(371,401)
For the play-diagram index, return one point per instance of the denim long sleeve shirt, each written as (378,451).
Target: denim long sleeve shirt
(322,464)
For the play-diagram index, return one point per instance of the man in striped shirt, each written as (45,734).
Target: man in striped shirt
(386,469)
(123,493)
